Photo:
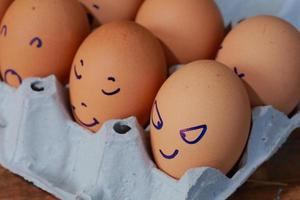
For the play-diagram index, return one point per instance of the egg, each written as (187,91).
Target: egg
(110,10)
(3,6)
(201,118)
(40,38)
(189,29)
(116,74)
(264,51)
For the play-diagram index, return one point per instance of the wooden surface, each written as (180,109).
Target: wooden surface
(278,179)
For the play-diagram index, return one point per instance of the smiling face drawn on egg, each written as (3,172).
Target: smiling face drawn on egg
(92,122)
(10,75)
(182,133)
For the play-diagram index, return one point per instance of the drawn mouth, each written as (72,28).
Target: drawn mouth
(78,76)
(170,156)
(14,73)
(111,93)
(95,122)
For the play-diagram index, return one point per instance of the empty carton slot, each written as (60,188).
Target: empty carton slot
(37,86)
(121,128)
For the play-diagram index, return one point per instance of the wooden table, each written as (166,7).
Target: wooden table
(278,179)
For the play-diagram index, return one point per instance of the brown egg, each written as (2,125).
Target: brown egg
(40,38)
(265,52)
(4,4)
(116,74)
(189,29)
(110,10)
(201,118)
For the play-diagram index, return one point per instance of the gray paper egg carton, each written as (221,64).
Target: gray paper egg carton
(40,142)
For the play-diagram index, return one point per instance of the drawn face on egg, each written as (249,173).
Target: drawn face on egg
(10,74)
(184,134)
(40,38)
(114,90)
(116,74)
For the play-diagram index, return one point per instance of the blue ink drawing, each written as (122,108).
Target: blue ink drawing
(184,132)
(241,75)
(171,156)
(3,30)
(38,42)
(159,124)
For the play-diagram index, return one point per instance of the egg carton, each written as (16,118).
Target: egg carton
(40,141)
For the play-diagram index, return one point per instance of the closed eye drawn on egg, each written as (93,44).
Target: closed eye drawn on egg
(159,124)
(111,79)
(38,41)
(116,91)
(77,75)
(12,72)
(241,75)
(96,6)
(3,30)
(184,132)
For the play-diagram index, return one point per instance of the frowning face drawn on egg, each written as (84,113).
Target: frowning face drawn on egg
(183,134)
(10,75)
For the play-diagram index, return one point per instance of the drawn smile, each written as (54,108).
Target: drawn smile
(111,93)
(12,72)
(95,122)
(78,76)
(170,156)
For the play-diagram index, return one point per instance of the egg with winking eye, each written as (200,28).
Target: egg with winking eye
(116,74)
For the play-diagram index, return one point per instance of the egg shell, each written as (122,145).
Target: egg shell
(110,10)
(190,29)
(201,118)
(116,74)
(3,6)
(265,52)
(41,39)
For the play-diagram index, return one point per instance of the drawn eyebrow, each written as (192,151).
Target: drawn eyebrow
(159,124)
(3,30)
(36,40)
(110,78)
(81,62)
(96,6)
